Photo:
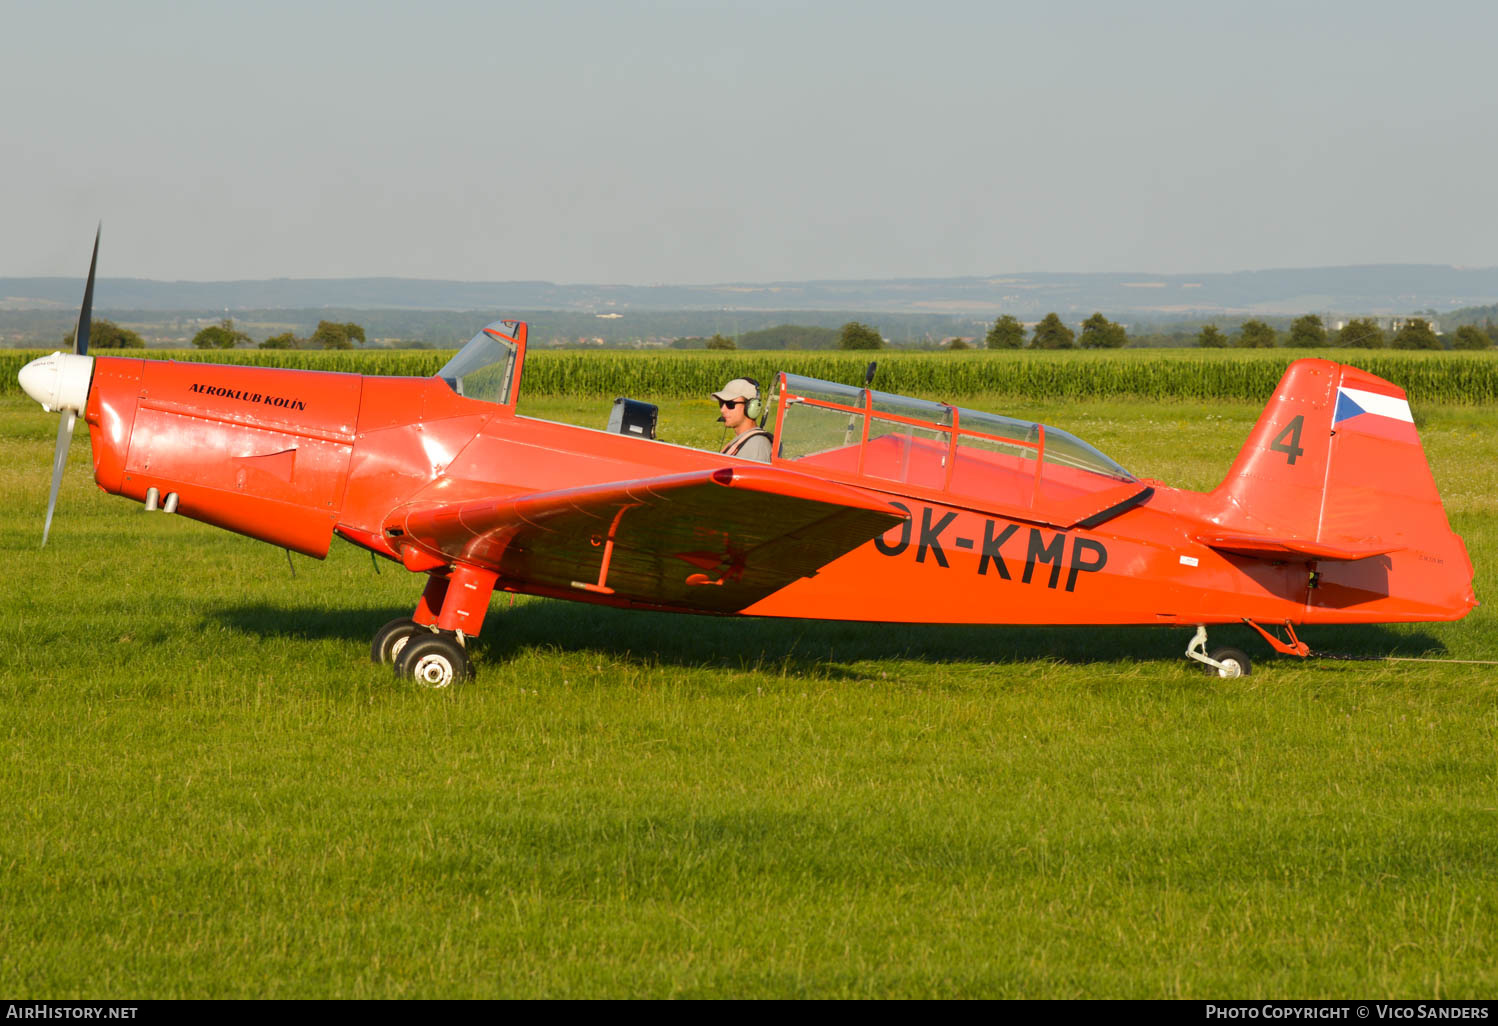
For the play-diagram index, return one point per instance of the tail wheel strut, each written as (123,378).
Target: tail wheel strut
(1230,662)
(1226,663)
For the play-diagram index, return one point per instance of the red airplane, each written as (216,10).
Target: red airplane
(874,507)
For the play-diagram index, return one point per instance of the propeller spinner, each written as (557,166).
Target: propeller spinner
(60,383)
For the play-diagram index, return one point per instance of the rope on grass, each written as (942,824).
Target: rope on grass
(1344,657)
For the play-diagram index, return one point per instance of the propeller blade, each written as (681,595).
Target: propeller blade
(86,312)
(59,460)
(57,373)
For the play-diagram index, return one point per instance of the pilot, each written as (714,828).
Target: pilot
(740,407)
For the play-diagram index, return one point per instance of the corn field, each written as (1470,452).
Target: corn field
(1147,374)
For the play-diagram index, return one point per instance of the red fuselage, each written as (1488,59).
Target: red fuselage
(293,457)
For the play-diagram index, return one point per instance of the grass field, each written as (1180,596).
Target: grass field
(209,791)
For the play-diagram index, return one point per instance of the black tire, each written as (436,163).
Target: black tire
(434,661)
(1235,664)
(391,638)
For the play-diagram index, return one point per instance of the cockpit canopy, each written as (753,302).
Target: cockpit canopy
(876,437)
(488,367)
(878,440)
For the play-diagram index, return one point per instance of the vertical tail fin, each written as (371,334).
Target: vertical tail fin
(1334,471)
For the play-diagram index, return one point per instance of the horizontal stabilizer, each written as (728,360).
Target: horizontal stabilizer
(1294,550)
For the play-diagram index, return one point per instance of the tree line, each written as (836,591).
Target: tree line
(1306,332)
(1097,332)
(1052,333)
(1358,333)
(105,334)
(1007,332)
(327,335)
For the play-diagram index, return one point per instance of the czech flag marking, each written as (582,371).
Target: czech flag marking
(1373,413)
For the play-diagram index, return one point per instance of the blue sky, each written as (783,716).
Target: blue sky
(713,142)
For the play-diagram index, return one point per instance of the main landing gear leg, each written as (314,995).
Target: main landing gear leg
(1221,662)
(390,640)
(451,611)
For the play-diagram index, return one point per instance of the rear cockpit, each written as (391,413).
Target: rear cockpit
(947,453)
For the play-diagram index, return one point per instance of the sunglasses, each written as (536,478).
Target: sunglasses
(731,403)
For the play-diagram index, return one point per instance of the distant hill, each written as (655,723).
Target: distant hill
(1483,315)
(758,329)
(1375,289)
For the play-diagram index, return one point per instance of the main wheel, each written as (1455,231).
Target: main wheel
(434,661)
(1234,664)
(391,638)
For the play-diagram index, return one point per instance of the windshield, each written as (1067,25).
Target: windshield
(485,367)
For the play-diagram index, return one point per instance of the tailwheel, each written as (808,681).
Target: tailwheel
(390,639)
(1230,662)
(1224,663)
(434,661)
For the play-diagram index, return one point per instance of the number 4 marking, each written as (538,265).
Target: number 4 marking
(1288,440)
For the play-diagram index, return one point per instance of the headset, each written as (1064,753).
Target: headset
(756,407)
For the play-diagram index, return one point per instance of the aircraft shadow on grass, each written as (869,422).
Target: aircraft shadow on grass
(805,646)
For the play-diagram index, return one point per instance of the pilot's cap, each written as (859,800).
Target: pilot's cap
(738,388)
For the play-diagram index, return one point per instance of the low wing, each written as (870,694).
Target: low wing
(712,540)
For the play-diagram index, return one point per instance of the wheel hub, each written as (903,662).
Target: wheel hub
(433,671)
